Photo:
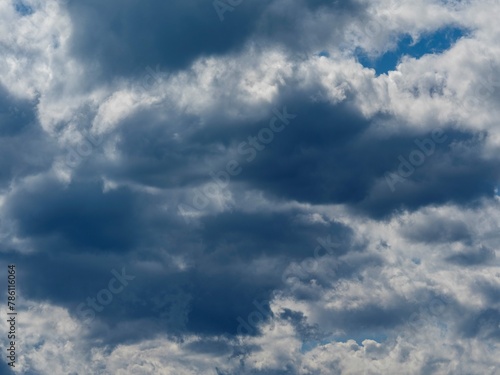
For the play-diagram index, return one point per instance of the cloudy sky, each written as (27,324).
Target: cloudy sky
(268,187)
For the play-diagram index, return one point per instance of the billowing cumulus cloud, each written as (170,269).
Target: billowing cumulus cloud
(239,187)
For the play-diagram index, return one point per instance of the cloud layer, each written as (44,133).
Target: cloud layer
(279,206)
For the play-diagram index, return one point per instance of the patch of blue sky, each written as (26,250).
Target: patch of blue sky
(432,43)
(22,8)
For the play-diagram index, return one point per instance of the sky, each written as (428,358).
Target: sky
(265,187)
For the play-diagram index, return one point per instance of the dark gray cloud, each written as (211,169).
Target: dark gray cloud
(24,147)
(80,230)
(472,257)
(124,38)
(16,114)
(483,324)
(438,230)
(5,369)
(324,156)
(81,216)
(328,155)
